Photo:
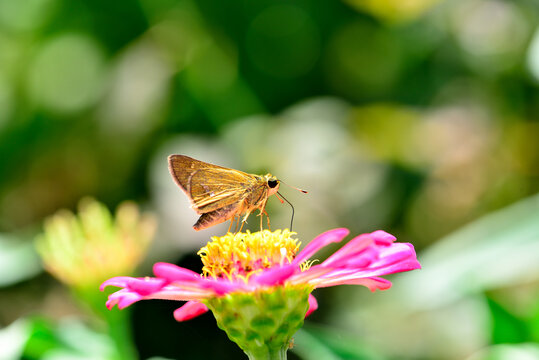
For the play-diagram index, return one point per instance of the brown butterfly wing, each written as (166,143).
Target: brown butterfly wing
(209,187)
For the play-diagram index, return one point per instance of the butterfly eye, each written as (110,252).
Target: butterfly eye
(272,183)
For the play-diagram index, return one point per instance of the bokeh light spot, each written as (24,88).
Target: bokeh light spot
(68,73)
(492,33)
(533,56)
(139,82)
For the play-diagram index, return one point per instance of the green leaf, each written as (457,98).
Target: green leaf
(67,339)
(41,339)
(506,327)
(534,322)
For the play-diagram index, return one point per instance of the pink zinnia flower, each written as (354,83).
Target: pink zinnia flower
(266,267)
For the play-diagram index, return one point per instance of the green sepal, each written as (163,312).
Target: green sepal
(262,323)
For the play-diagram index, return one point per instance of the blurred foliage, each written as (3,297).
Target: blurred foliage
(38,338)
(415,116)
(329,344)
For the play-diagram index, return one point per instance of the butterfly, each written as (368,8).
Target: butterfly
(219,194)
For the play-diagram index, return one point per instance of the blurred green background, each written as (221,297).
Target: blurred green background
(419,117)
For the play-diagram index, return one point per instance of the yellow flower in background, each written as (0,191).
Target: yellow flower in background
(87,248)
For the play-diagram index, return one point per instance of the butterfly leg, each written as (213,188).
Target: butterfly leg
(267,217)
(244,220)
(231,222)
(262,209)
(238,228)
(262,213)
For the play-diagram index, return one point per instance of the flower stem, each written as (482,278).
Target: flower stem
(265,353)
(118,323)
(119,329)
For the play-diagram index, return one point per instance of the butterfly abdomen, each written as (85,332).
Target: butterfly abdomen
(216,216)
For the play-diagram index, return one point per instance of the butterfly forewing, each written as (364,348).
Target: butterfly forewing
(209,187)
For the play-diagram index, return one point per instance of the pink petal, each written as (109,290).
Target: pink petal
(373,283)
(352,249)
(356,263)
(380,253)
(172,273)
(119,281)
(382,238)
(319,242)
(189,310)
(123,298)
(363,249)
(401,266)
(146,286)
(372,257)
(401,258)
(221,286)
(315,273)
(313,305)
(274,276)
(396,253)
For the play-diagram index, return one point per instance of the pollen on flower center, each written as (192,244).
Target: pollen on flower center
(240,255)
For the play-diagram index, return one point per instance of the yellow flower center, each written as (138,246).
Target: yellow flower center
(237,256)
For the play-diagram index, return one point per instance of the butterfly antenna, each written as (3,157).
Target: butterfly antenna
(293,187)
(292,206)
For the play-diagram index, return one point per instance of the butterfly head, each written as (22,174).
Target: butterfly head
(272,183)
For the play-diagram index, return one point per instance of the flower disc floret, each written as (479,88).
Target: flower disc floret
(240,255)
